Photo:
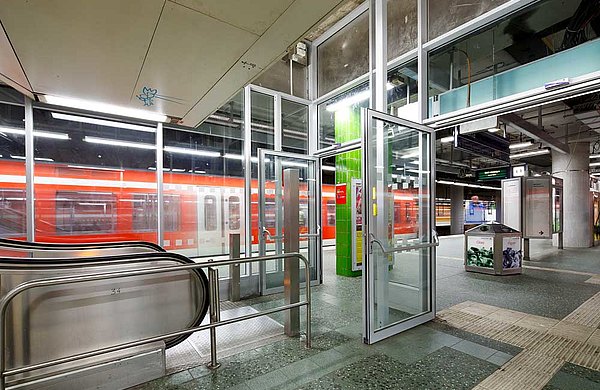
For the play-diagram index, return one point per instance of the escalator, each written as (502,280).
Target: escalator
(51,322)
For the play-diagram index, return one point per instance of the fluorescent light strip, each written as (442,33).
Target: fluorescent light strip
(596,164)
(529,154)
(447,139)
(95,168)
(454,183)
(36,158)
(102,122)
(594,155)
(357,98)
(105,108)
(114,142)
(327,168)
(193,152)
(520,145)
(41,134)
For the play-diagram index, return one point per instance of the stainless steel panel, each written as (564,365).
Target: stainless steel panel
(291,241)
(52,322)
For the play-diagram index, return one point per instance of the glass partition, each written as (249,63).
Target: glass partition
(403,91)
(533,48)
(401,27)
(344,56)
(95,179)
(446,15)
(294,123)
(12,175)
(339,117)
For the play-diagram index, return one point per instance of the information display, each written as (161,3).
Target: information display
(537,208)
(511,203)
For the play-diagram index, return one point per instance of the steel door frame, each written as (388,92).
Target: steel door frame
(370,334)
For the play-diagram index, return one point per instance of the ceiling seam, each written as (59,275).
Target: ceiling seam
(17,57)
(147,51)
(221,20)
(220,78)
(16,82)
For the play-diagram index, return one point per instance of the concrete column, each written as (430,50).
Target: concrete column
(457,213)
(573,168)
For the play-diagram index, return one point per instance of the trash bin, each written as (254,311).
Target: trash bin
(493,248)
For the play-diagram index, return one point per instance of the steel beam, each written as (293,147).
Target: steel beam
(534,132)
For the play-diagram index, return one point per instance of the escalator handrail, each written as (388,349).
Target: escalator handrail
(8,243)
(51,263)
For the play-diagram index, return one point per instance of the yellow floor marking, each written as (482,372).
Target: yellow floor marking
(547,343)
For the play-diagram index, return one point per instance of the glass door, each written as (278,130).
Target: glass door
(398,273)
(271,205)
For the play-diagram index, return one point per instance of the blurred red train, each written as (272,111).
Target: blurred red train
(83,204)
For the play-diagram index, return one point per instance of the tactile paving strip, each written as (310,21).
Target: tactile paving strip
(547,343)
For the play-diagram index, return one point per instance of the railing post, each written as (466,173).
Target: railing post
(215,314)
(234,269)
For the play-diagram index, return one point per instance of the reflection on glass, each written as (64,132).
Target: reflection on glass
(447,15)
(294,121)
(12,186)
(401,27)
(548,41)
(403,91)
(344,56)
(339,117)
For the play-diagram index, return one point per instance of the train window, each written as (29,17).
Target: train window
(210,213)
(330,212)
(12,212)
(145,212)
(234,213)
(303,217)
(397,212)
(85,212)
(270,213)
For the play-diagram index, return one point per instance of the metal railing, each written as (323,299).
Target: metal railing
(215,309)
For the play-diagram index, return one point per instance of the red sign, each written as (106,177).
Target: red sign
(340,193)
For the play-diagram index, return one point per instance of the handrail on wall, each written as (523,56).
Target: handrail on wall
(214,305)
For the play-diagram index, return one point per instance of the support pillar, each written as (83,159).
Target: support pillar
(573,168)
(457,213)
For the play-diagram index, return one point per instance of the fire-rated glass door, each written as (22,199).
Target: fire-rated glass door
(271,205)
(398,196)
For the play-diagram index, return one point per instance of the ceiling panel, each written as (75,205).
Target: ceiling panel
(292,25)
(189,53)
(254,16)
(89,49)
(10,69)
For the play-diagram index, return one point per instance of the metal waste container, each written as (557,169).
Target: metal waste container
(493,248)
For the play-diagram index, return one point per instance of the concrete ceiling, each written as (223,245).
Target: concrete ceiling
(186,57)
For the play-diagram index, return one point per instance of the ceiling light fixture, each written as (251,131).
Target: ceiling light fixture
(114,142)
(102,122)
(596,164)
(41,134)
(356,98)
(103,107)
(447,139)
(193,152)
(538,152)
(594,155)
(520,145)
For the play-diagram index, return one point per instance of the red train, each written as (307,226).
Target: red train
(83,204)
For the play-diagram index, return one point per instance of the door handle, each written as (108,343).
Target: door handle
(436,238)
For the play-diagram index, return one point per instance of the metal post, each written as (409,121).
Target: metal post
(560,240)
(526,249)
(291,242)
(234,269)
(160,208)
(215,314)
(29,166)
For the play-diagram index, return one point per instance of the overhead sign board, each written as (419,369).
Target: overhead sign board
(493,174)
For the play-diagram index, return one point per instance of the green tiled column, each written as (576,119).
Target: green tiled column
(347,167)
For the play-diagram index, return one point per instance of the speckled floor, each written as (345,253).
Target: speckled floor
(432,356)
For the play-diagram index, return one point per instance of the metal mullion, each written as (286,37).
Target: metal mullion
(278,132)
(160,196)
(404,58)
(29,172)
(342,88)
(422,64)
(248,174)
